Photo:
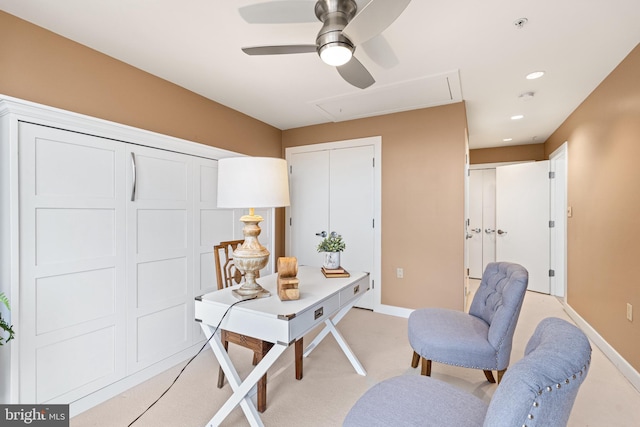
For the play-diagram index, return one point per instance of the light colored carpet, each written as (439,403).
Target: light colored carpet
(331,386)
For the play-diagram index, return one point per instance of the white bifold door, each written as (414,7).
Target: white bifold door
(332,190)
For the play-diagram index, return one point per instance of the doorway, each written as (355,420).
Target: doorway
(550,274)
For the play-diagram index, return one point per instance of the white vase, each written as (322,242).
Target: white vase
(331,260)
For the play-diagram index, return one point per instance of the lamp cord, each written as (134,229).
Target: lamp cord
(190,360)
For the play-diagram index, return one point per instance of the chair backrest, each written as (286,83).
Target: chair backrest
(540,389)
(226,272)
(498,301)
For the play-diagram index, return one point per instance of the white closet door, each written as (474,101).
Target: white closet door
(309,212)
(72,264)
(351,208)
(160,274)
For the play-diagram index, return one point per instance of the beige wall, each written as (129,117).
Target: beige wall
(603,137)
(515,153)
(423,154)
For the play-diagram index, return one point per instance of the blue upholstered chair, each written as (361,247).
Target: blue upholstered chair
(538,390)
(480,339)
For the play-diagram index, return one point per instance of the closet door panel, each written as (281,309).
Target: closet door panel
(72,263)
(74,363)
(89,233)
(79,170)
(160,274)
(158,282)
(162,332)
(96,289)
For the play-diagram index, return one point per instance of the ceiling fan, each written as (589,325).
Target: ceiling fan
(344,27)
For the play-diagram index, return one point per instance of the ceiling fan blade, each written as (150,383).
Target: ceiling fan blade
(380,52)
(373,19)
(356,74)
(280,50)
(279,12)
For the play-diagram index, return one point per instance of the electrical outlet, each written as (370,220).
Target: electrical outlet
(629,312)
(400,273)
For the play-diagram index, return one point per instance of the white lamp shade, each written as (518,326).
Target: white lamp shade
(252,182)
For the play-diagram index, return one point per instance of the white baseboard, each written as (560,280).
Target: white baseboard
(392,310)
(618,361)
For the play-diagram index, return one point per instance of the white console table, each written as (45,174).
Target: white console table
(321,300)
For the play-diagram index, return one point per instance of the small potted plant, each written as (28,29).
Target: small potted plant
(332,246)
(4,326)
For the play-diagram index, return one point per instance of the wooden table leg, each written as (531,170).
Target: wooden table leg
(299,349)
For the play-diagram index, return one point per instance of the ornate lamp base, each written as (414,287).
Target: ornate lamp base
(250,258)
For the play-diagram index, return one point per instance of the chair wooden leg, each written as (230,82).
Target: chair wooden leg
(225,343)
(261,388)
(489,376)
(500,374)
(426,367)
(415,359)
(299,349)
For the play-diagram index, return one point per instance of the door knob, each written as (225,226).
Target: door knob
(322,234)
(502,232)
(489,230)
(476,230)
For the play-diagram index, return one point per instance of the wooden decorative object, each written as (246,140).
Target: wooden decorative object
(287,280)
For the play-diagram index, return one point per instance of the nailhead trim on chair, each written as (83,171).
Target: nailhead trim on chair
(549,388)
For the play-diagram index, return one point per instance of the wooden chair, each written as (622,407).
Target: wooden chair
(228,275)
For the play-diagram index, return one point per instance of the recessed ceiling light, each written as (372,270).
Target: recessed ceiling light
(507,140)
(535,75)
(517,117)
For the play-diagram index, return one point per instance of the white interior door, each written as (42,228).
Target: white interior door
(351,199)
(474,227)
(522,219)
(488,216)
(333,188)
(160,236)
(309,211)
(72,264)
(481,235)
(558,164)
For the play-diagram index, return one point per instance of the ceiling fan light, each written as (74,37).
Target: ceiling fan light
(336,53)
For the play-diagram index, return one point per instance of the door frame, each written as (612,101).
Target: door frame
(376,141)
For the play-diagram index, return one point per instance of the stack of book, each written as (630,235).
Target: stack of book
(335,272)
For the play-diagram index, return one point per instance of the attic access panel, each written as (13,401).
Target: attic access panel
(425,92)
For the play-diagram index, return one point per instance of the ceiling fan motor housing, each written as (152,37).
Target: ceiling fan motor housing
(335,15)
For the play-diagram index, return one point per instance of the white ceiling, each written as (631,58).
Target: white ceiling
(473,45)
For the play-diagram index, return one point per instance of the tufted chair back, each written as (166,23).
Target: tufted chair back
(539,390)
(498,302)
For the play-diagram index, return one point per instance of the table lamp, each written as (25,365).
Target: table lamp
(252,182)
